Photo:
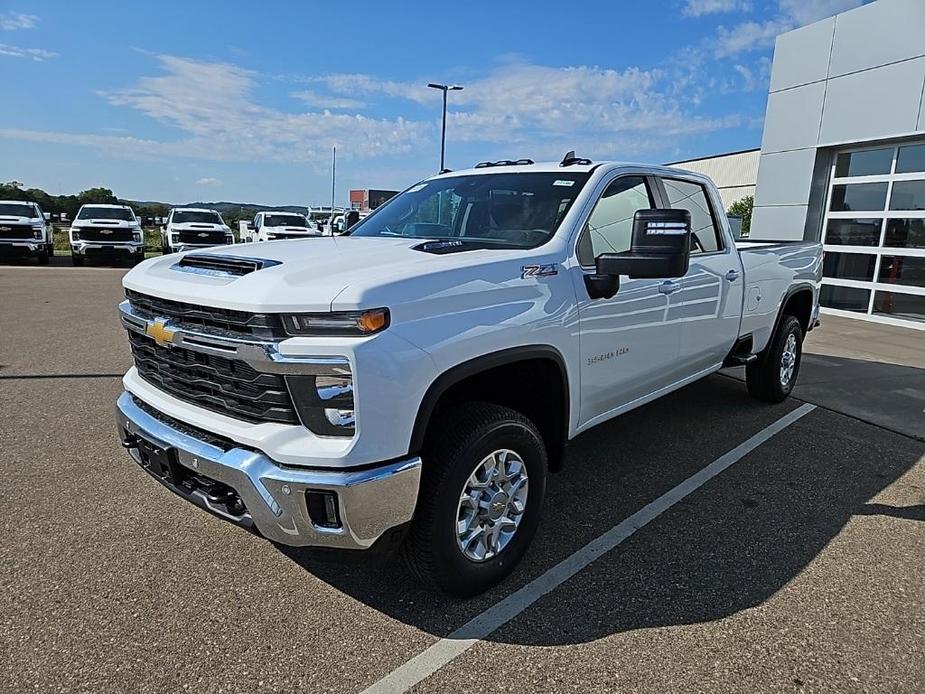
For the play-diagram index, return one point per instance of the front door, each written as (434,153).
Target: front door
(628,346)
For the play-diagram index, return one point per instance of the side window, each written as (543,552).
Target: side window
(685,195)
(610,226)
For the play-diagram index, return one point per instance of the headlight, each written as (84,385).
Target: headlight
(75,234)
(343,323)
(174,239)
(137,236)
(324,403)
(38,232)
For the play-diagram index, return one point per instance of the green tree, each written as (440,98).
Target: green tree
(97,196)
(743,208)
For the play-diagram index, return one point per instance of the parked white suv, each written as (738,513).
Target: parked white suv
(107,232)
(194,227)
(411,384)
(25,231)
(274,226)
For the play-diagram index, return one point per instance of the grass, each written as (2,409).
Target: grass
(152,242)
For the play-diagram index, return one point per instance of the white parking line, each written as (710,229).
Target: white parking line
(445,650)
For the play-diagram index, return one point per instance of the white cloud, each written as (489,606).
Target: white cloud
(698,8)
(808,11)
(749,36)
(208,181)
(752,35)
(322,101)
(213,103)
(36,54)
(537,108)
(11,21)
(518,108)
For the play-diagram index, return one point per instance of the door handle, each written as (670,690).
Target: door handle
(668,287)
(732,275)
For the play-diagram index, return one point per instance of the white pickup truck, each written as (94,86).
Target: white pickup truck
(106,232)
(410,385)
(24,231)
(188,228)
(274,226)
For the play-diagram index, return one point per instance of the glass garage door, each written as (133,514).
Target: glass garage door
(874,235)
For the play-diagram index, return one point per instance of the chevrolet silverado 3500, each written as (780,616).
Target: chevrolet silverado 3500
(107,232)
(410,385)
(24,231)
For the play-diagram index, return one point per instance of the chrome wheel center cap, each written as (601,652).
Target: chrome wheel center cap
(497,506)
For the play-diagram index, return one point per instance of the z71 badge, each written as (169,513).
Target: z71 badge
(539,271)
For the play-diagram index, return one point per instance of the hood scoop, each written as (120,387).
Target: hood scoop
(221,265)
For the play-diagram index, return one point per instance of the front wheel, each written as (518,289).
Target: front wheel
(480,500)
(771,378)
(77,260)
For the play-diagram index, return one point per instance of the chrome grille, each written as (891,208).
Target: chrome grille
(227,386)
(263,325)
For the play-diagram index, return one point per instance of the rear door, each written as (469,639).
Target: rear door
(628,347)
(708,303)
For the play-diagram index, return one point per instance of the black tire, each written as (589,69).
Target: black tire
(78,260)
(42,258)
(763,377)
(460,440)
(51,251)
(136,259)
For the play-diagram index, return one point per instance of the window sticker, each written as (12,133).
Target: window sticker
(562,182)
(415,189)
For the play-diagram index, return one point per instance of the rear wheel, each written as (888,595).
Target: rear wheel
(480,499)
(771,378)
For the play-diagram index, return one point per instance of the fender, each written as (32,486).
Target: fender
(480,364)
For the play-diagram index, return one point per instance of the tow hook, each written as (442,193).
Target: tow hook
(130,441)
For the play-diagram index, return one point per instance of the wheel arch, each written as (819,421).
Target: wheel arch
(483,378)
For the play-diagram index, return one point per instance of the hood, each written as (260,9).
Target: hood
(105,223)
(13,219)
(303,276)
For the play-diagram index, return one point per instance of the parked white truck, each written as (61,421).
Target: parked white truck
(278,225)
(24,231)
(188,228)
(410,385)
(106,232)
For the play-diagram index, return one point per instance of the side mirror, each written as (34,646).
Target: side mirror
(661,247)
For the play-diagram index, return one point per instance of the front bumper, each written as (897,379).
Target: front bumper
(23,246)
(181,247)
(97,247)
(273,497)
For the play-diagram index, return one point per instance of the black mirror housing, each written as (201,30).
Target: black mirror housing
(661,247)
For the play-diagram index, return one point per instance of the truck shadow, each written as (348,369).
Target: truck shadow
(729,547)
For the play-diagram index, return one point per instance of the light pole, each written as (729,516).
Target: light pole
(444,88)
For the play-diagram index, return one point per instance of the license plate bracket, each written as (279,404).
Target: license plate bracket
(160,461)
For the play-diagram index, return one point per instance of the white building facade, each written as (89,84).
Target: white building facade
(843,157)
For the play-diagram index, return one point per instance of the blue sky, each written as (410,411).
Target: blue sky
(183,101)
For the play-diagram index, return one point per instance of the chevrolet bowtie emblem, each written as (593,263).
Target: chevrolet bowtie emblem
(158,330)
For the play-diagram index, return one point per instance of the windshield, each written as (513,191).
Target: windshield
(16,209)
(509,210)
(200,217)
(284,220)
(106,213)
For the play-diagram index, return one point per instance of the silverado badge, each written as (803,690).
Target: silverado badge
(158,330)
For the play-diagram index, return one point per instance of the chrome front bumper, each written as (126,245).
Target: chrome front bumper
(370,501)
(81,247)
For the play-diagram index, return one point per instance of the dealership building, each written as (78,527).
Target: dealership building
(842,158)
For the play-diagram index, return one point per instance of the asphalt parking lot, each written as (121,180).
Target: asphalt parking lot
(797,568)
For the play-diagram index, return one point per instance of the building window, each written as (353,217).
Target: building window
(874,235)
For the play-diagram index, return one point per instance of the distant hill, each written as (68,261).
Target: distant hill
(224,207)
